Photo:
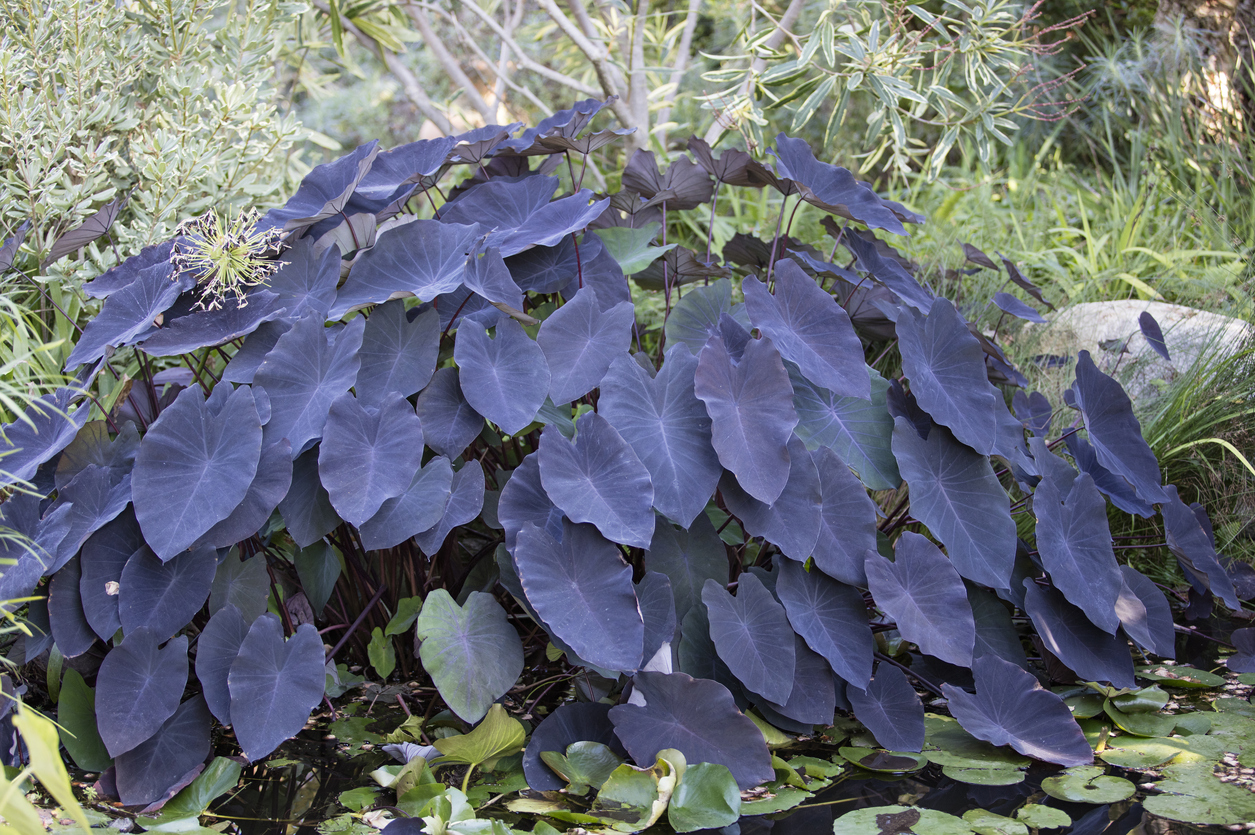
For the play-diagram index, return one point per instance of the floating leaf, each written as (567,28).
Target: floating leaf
(705,798)
(498,735)
(831,617)
(506,378)
(584,765)
(583,591)
(891,709)
(138,688)
(1192,793)
(1038,816)
(471,652)
(598,479)
(569,724)
(369,455)
(955,493)
(398,353)
(274,685)
(697,717)
(752,634)
(892,820)
(924,594)
(1087,784)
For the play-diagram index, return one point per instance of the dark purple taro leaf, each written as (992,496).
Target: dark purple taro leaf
(667,427)
(506,378)
(583,591)
(369,454)
(1008,303)
(243,366)
(657,604)
(1024,284)
(115,278)
(23,446)
(750,403)
(695,317)
(449,422)
(1145,614)
(242,583)
(831,617)
(398,352)
(464,305)
(924,594)
(23,562)
(86,232)
(488,276)
(269,487)
(95,496)
(1196,554)
(545,269)
(138,688)
(524,500)
(600,271)
(306,509)
(1115,488)
(821,269)
(500,204)
(688,558)
(1153,334)
(102,560)
(161,597)
(1114,431)
(195,465)
(889,273)
(683,266)
(395,175)
(424,258)
(891,709)
(1011,708)
(733,166)
(813,698)
(475,145)
(9,251)
(847,520)
(580,341)
(833,188)
(1084,648)
(307,279)
(860,432)
(420,506)
(152,771)
(946,367)
(570,722)
(697,717)
(70,629)
(975,256)
(902,403)
(94,446)
(128,315)
(216,649)
(1034,411)
(274,685)
(687,186)
(551,223)
(205,328)
(698,657)
(792,522)
(466,500)
(955,493)
(995,632)
(325,191)
(752,635)
(566,124)
(810,329)
(303,374)
(1242,661)
(1074,542)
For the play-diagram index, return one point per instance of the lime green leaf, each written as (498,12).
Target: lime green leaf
(1087,784)
(988,823)
(1147,700)
(585,765)
(499,734)
(706,798)
(382,656)
(407,612)
(1193,794)
(1038,816)
(40,737)
(359,798)
(632,247)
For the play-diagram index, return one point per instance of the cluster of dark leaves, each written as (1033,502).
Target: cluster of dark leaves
(461,392)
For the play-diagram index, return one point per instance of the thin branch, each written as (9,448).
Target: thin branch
(684,53)
(502,70)
(600,59)
(450,65)
(638,85)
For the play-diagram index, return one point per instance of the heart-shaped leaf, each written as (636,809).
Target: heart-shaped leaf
(812,697)
(318,569)
(831,617)
(695,317)
(1011,708)
(1008,303)
(324,191)
(570,723)
(1114,487)
(303,374)
(471,652)
(466,501)
(421,505)
(242,583)
(887,272)
(750,403)
(70,629)
(235,319)
(128,315)
(306,509)
(836,189)
(500,204)
(1145,614)
(955,493)
(582,589)
(859,431)
(688,558)
(506,378)
(698,718)
(580,341)
(1064,629)
(488,276)
(752,634)
(792,522)
(274,685)
(499,735)
(306,279)
(269,487)
(398,352)
(668,429)
(103,557)
(138,688)
(167,761)
(847,520)
(705,798)
(423,258)
(810,330)
(598,479)
(891,709)
(449,422)
(924,595)
(524,500)
(369,455)
(51,428)
(1194,549)
(161,596)
(216,649)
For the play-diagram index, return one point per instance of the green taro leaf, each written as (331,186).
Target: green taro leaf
(631,248)
(1140,724)
(383,657)
(472,653)
(318,569)
(408,609)
(499,735)
(1087,784)
(76,714)
(707,797)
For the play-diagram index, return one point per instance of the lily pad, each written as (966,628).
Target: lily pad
(1193,794)
(1135,752)
(886,762)
(1178,676)
(1087,784)
(984,776)
(1043,817)
(989,823)
(879,820)
(1147,700)
(1140,724)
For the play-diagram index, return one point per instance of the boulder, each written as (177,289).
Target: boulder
(1189,334)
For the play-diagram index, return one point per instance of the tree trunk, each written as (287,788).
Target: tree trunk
(1224,29)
